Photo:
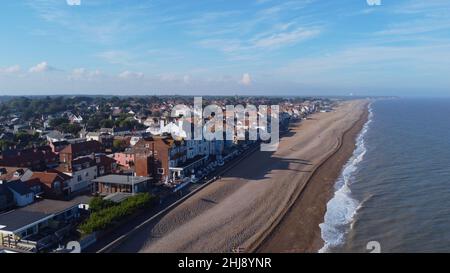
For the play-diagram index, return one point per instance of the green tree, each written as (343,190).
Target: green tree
(118,145)
(56,122)
(106,123)
(97,204)
(5,144)
(73,129)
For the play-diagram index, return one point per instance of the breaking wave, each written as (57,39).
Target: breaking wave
(342,208)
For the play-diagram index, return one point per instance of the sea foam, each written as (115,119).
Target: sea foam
(342,208)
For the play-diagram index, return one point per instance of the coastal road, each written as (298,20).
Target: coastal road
(236,210)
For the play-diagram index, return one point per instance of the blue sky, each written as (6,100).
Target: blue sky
(270,47)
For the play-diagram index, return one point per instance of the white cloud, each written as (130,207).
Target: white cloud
(78,72)
(174,78)
(374,2)
(267,27)
(131,75)
(246,79)
(73,2)
(276,38)
(286,38)
(430,17)
(10,70)
(83,73)
(41,67)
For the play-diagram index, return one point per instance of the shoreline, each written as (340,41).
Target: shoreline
(237,210)
(297,229)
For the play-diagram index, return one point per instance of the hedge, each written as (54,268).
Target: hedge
(105,217)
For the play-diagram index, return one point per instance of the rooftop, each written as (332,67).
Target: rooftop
(83,147)
(118,197)
(9,173)
(50,176)
(19,187)
(39,211)
(121,179)
(16,219)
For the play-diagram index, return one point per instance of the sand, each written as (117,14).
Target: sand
(265,203)
(298,230)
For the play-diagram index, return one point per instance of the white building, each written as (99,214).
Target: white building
(83,171)
(134,140)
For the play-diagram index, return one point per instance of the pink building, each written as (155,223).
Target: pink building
(125,159)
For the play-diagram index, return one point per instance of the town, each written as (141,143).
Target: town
(73,168)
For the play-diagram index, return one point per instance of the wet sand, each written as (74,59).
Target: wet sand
(248,204)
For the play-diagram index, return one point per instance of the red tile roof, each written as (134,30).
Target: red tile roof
(28,157)
(50,176)
(86,147)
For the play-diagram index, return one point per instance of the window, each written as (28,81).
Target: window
(79,178)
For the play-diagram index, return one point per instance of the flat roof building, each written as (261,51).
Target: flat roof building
(36,226)
(121,183)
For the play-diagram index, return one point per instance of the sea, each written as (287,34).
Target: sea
(393,195)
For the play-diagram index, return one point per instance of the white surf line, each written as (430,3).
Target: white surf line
(342,208)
